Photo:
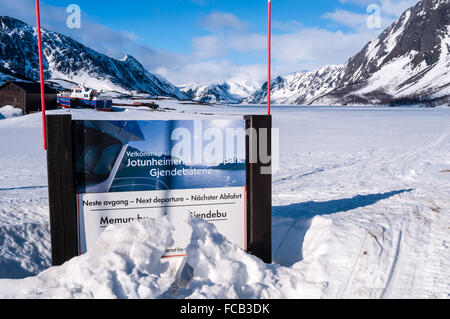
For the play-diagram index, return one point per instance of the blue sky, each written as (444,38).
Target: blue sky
(171,24)
(191,41)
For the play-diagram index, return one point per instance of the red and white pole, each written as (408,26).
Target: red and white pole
(41,72)
(269,64)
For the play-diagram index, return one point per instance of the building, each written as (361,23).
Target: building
(26,96)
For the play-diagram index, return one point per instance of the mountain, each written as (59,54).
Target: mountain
(71,61)
(300,87)
(408,63)
(219,92)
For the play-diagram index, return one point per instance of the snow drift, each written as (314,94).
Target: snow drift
(9,111)
(127,263)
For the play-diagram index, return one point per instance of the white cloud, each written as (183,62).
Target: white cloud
(396,7)
(219,45)
(213,71)
(359,22)
(208,47)
(388,11)
(287,26)
(347,18)
(295,47)
(312,48)
(391,8)
(223,21)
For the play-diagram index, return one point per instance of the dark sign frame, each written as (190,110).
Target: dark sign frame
(62,198)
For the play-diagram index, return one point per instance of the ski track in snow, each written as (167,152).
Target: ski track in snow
(402,250)
(361,206)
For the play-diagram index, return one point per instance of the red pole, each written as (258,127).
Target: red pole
(269,46)
(41,72)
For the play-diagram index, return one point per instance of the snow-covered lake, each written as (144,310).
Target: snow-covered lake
(361,210)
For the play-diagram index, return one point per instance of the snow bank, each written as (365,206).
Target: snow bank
(25,250)
(222,270)
(9,111)
(127,263)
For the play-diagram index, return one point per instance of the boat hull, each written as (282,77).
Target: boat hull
(71,102)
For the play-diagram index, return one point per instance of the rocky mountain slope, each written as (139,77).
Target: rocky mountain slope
(300,87)
(408,63)
(69,60)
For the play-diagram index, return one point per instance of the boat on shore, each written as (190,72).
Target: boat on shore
(82,97)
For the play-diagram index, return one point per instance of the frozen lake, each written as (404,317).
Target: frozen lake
(361,210)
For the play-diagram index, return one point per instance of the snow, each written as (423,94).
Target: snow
(218,92)
(243,90)
(361,210)
(87,80)
(236,89)
(125,263)
(9,111)
(301,87)
(392,76)
(393,39)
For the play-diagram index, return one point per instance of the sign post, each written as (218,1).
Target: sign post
(269,56)
(61,188)
(259,186)
(41,73)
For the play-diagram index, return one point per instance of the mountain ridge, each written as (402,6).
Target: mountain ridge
(408,63)
(69,60)
(228,92)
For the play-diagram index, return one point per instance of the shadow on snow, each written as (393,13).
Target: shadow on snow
(292,222)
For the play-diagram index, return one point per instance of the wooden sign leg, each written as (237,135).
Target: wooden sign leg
(259,186)
(60,167)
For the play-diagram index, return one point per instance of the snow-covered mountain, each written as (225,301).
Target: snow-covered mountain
(219,92)
(69,60)
(299,87)
(408,63)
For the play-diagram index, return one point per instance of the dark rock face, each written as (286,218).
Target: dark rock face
(420,29)
(18,50)
(420,35)
(67,58)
